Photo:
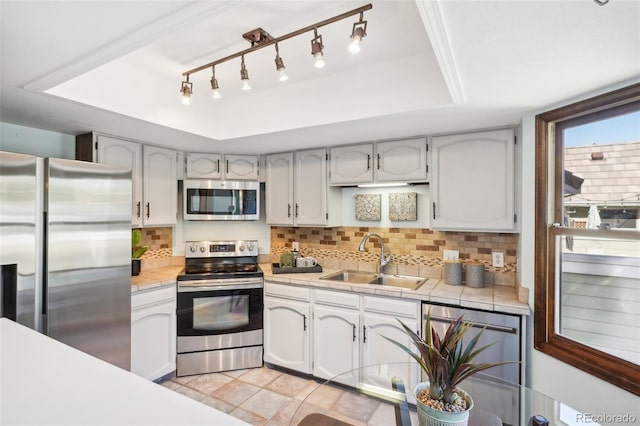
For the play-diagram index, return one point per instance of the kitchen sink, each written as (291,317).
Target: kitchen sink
(357,277)
(411,283)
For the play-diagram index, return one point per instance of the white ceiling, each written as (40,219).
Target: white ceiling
(426,67)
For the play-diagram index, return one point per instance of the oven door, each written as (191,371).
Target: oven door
(219,317)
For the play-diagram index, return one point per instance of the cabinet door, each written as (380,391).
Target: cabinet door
(472,181)
(160,186)
(377,350)
(286,333)
(153,338)
(352,164)
(310,187)
(279,189)
(242,167)
(125,154)
(335,343)
(401,161)
(203,166)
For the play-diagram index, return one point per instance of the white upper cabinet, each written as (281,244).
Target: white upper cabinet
(244,167)
(126,154)
(279,189)
(160,187)
(394,161)
(401,161)
(352,164)
(154,175)
(472,181)
(217,166)
(297,192)
(203,166)
(310,187)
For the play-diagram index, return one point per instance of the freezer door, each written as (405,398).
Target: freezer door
(18,228)
(88,256)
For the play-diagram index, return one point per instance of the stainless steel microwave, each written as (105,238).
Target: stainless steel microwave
(221,200)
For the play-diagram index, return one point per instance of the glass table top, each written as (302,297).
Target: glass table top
(369,396)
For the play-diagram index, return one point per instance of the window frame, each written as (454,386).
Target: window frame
(549,183)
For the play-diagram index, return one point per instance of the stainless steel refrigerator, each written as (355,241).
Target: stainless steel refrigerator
(66,225)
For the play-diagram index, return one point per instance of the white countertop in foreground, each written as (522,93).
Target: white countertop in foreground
(45,382)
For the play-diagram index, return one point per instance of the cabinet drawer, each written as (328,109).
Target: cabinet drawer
(336,298)
(153,296)
(287,291)
(396,307)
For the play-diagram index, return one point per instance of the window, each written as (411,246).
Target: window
(587,265)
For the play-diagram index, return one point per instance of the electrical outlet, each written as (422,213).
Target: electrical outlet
(295,246)
(450,254)
(497,259)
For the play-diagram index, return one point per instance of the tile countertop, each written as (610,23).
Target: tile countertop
(495,298)
(492,298)
(157,277)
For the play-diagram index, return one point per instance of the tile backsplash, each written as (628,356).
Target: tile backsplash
(159,240)
(414,250)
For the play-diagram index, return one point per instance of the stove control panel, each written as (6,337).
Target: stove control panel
(221,248)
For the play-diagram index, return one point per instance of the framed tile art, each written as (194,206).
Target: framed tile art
(368,207)
(403,206)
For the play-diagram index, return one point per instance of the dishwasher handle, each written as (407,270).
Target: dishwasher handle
(484,326)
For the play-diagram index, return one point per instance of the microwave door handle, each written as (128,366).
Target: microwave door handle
(241,202)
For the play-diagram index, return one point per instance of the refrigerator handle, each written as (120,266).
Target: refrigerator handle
(45,276)
(9,291)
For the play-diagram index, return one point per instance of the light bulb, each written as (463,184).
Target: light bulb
(282,75)
(246,85)
(354,46)
(319,61)
(216,94)
(186,100)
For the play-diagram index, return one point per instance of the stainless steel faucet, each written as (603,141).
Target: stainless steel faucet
(383,259)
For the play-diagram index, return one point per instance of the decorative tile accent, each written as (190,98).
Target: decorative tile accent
(403,206)
(368,206)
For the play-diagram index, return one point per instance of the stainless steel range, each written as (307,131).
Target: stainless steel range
(219,307)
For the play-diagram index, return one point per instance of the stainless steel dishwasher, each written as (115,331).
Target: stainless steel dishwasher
(498,387)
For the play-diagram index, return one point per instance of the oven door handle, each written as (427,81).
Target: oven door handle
(183,288)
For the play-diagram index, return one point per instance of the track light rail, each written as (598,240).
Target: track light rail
(275,40)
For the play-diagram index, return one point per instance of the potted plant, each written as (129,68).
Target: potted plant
(136,251)
(446,361)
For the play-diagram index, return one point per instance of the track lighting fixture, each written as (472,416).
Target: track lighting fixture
(244,76)
(259,38)
(282,74)
(316,49)
(357,34)
(186,88)
(214,85)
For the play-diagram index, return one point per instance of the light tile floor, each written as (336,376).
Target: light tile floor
(265,396)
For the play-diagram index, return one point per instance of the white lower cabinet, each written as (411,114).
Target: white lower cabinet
(286,327)
(153,332)
(346,333)
(336,336)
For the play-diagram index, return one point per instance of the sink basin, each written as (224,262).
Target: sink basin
(358,277)
(351,277)
(411,283)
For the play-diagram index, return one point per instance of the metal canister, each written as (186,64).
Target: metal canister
(474,274)
(452,272)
